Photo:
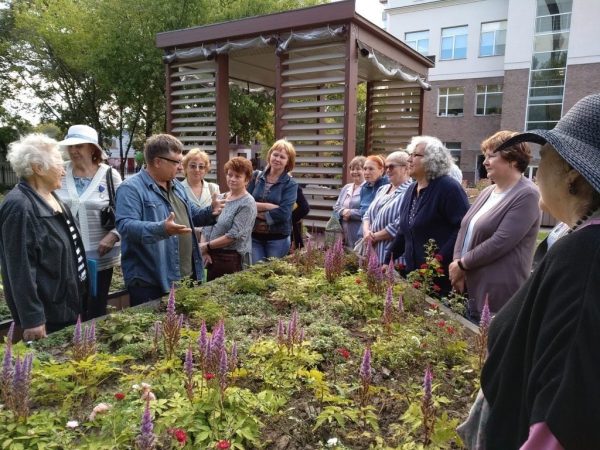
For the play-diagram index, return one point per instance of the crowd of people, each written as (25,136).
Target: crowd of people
(538,383)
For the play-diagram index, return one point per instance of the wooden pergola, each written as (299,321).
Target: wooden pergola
(313,59)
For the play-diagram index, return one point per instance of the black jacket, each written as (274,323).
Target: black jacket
(39,266)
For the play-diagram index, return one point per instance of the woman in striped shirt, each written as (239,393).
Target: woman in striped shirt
(381,221)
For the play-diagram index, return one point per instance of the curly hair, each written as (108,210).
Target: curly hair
(33,149)
(519,153)
(289,149)
(239,165)
(357,161)
(436,160)
(195,153)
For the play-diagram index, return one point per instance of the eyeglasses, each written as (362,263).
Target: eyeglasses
(177,162)
(393,166)
(197,166)
(415,155)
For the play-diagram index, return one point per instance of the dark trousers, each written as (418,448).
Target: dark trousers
(142,294)
(97,305)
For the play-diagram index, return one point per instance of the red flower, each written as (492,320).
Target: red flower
(436,288)
(439,257)
(343,352)
(223,444)
(440,270)
(450,329)
(400,266)
(119,396)
(435,307)
(441,323)
(424,266)
(358,281)
(209,376)
(179,434)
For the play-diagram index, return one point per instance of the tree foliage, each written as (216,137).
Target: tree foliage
(96,62)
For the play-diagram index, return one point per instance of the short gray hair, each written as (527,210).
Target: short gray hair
(32,149)
(437,159)
(398,155)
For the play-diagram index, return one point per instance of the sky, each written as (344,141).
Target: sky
(370,9)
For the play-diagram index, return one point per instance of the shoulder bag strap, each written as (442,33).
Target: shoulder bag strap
(110,186)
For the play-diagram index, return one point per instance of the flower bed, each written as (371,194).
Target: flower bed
(286,355)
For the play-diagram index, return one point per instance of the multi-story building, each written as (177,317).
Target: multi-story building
(499,64)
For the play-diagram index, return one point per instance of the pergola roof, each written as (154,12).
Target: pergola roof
(255,64)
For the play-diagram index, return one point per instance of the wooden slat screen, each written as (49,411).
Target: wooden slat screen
(313,120)
(395,109)
(193,107)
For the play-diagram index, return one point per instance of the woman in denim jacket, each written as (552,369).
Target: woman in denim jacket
(275,194)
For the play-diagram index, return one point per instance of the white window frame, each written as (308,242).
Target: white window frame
(447,96)
(485,99)
(416,42)
(495,33)
(453,38)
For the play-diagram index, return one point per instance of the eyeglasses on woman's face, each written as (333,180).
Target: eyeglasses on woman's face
(196,166)
(393,166)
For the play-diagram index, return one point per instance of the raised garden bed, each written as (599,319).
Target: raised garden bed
(307,388)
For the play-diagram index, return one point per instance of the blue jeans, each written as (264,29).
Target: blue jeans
(276,248)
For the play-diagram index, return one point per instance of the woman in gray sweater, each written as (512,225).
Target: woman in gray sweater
(494,247)
(227,246)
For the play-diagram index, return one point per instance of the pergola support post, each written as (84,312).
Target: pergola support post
(222,114)
(351,74)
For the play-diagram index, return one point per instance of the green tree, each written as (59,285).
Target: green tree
(95,61)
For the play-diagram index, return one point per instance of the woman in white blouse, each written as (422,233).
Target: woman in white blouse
(348,203)
(84,189)
(196,165)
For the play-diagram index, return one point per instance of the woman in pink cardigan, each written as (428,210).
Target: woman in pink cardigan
(494,247)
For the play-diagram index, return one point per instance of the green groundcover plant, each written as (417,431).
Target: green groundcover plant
(286,355)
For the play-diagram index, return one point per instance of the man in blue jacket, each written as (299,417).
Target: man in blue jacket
(155,218)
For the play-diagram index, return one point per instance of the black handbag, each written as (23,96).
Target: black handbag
(107,214)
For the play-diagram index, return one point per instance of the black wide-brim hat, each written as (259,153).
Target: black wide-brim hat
(576,138)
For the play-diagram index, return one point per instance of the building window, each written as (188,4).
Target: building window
(455,150)
(547,77)
(454,43)
(450,101)
(493,38)
(419,40)
(489,100)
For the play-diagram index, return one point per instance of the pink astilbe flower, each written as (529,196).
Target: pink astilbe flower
(171,326)
(203,344)
(146,440)
(482,337)
(365,373)
(188,368)
(280,333)
(388,309)
(156,335)
(7,366)
(375,276)
(390,271)
(400,303)
(19,399)
(223,369)
(427,406)
(334,261)
(217,344)
(84,340)
(233,361)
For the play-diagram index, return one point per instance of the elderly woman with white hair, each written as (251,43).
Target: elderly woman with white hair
(382,219)
(433,208)
(41,251)
(539,385)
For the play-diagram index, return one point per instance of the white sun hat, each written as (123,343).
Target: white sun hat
(82,134)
